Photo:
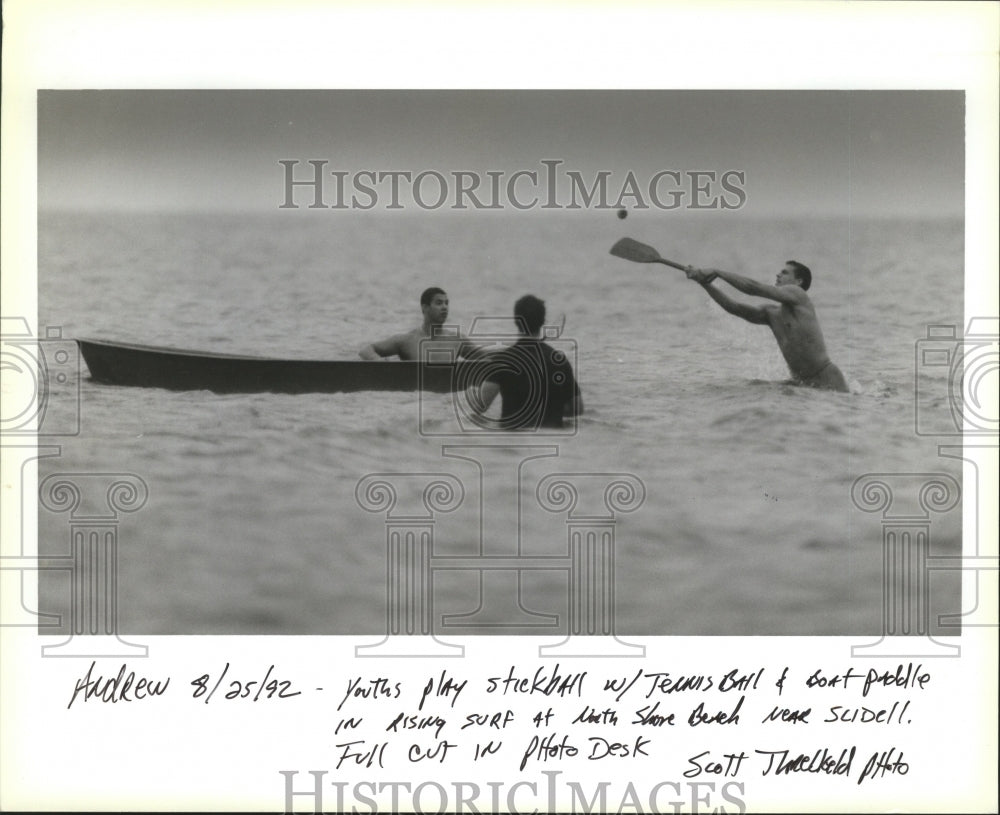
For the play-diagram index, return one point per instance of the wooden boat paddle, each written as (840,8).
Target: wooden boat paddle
(641,253)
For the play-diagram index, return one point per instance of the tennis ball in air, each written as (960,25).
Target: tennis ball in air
(623,213)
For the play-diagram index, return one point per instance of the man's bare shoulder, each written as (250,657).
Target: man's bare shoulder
(803,302)
(795,298)
(801,297)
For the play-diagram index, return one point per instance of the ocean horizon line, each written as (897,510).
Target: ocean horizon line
(636,215)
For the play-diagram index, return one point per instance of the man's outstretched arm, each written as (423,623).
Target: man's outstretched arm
(379,350)
(752,314)
(782,294)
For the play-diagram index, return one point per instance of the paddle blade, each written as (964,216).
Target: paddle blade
(641,253)
(633,250)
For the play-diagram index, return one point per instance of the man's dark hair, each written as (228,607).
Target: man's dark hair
(802,273)
(529,313)
(428,295)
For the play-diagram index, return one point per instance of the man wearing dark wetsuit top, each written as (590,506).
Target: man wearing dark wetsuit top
(535,381)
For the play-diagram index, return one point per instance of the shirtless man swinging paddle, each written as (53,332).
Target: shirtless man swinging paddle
(793,322)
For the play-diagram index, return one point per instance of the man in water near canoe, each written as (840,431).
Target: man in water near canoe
(793,322)
(535,381)
(434,303)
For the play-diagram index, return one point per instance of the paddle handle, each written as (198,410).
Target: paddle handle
(672,263)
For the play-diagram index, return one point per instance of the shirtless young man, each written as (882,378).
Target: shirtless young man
(434,303)
(793,322)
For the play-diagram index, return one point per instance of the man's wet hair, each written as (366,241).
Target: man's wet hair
(428,295)
(802,273)
(529,313)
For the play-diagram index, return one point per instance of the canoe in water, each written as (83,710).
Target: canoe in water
(146,366)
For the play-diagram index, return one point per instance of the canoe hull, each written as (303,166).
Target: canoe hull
(174,369)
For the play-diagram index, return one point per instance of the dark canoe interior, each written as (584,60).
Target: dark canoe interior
(147,366)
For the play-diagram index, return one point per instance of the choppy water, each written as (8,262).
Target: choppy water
(252,524)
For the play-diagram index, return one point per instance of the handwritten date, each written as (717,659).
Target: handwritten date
(254,689)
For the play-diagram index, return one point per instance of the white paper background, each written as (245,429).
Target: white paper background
(177,754)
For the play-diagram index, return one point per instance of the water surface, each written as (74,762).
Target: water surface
(252,525)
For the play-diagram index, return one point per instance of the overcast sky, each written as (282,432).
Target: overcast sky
(804,152)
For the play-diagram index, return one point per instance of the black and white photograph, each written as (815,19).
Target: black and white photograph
(735,396)
(610,431)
